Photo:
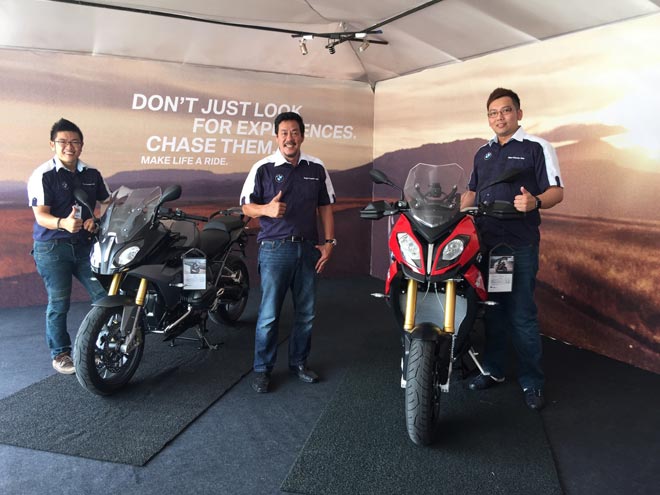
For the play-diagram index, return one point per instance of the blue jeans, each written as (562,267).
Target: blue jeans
(285,265)
(516,317)
(57,263)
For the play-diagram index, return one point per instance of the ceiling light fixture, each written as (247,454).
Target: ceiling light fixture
(303,47)
(334,39)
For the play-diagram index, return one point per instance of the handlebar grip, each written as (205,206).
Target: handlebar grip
(195,217)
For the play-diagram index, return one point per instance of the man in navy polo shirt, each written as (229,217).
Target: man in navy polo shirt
(288,191)
(536,186)
(61,232)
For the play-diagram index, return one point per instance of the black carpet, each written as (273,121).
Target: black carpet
(488,442)
(171,388)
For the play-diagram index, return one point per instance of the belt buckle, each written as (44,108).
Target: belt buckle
(296,238)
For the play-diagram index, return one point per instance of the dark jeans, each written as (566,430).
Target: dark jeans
(58,263)
(285,265)
(515,317)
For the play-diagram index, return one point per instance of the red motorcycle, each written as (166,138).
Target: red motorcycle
(434,283)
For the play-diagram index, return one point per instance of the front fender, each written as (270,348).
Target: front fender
(113,301)
(427,331)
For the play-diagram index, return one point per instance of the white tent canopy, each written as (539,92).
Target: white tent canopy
(197,31)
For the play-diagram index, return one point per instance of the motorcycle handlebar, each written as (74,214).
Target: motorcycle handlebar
(181,215)
(233,211)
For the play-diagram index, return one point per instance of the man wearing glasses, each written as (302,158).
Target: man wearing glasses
(62,232)
(536,185)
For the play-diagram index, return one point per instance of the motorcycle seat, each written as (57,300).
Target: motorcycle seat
(213,241)
(226,224)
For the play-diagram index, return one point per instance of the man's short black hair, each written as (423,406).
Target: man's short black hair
(64,125)
(289,116)
(501,93)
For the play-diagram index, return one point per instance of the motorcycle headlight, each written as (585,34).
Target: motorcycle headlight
(95,258)
(126,256)
(453,250)
(410,250)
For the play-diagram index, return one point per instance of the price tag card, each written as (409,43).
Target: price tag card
(194,273)
(500,273)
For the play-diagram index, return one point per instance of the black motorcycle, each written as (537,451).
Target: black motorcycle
(163,276)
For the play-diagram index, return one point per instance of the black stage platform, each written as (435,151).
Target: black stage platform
(599,434)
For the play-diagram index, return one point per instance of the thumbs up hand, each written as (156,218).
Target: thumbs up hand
(71,223)
(276,208)
(525,201)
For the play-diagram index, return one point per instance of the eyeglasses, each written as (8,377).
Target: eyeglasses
(63,143)
(492,114)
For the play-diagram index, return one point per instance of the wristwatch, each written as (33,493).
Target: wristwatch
(331,241)
(538,203)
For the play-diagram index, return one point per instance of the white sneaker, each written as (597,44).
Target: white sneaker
(64,364)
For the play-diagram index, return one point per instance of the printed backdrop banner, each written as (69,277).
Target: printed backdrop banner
(594,96)
(151,124)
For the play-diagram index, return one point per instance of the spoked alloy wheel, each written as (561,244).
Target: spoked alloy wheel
(422,392)
(229,313)
(101,366)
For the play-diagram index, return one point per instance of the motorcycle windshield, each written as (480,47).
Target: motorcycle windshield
(129,211)
(433,192)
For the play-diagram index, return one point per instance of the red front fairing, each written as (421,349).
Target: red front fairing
(464,228)
(464,265)
(403,225)
(391,272)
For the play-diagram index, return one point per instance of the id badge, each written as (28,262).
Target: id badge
(500,273)
(77,213)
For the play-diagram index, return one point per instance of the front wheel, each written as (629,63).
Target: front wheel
(235,275)
(101,366)
(422,392)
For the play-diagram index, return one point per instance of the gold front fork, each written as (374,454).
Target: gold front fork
(141,293)
(114,285)
(450,306)
(411,306)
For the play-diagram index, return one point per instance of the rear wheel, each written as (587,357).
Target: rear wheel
(422,392)
(236,274)
(101,366)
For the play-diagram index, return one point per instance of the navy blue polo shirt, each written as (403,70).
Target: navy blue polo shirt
(304,188)
(540,169)
(52,184)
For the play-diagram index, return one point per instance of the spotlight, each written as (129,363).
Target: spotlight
(303,47)
(364,46)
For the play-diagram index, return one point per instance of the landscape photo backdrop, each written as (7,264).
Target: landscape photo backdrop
(594,96)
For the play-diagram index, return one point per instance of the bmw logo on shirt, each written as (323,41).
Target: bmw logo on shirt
(279,178)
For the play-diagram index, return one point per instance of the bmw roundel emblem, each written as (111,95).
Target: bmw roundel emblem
(488,155)
(279,178)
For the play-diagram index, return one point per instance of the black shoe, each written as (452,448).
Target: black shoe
(260,382)
(482,382)
(534,398)
(304,373)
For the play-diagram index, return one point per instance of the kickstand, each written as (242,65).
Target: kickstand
(204,342)
(474,355)
(201,338)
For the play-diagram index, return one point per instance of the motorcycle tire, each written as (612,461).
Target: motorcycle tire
(229,313)
(101,367)
(422,401)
